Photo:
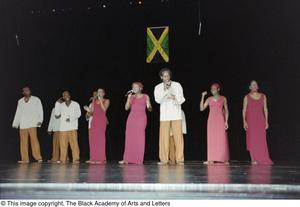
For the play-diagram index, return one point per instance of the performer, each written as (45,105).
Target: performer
(255,117)
(29,116)
(98,128)
(172,153)
(169,94)
(69,112)
(53,129)
(136,124)
(217,124)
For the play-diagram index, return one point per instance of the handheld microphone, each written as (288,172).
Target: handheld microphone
(129,92)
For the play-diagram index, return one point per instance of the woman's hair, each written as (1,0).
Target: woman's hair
(217,85)
(165,70)
(140,84)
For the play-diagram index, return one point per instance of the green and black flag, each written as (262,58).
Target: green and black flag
(157,44)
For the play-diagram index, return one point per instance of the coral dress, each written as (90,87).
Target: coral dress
(256,138)
(135,131)
(97,138)
(217,143)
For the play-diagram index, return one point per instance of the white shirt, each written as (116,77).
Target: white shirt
(65,112)
(28,114)
(54,122)
(169,109)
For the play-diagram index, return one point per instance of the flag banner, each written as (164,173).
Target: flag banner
(157,44)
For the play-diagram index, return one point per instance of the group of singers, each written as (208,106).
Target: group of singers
(168,94)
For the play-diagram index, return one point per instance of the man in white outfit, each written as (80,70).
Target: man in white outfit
(29,116)
(169,94)
(69,112)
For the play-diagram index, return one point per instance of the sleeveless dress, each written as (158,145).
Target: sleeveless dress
(98,130)
(256,138)
(217,143)
(135,131)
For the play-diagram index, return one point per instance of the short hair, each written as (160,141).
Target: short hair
(26,86)
(68,92)
(165,70)
(217,85)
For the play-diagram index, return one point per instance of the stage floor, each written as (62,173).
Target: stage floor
(239,180)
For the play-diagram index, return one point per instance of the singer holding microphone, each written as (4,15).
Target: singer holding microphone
(97,139)
(69,112)
(136,124)
(169,94)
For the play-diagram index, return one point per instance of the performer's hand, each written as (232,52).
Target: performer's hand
(171,96)
(50,133)
(15,127)
(204,93)
(60,100)
(129,96)
(86,108)
(267,125)
(245,126)
(39,124)
(226,125)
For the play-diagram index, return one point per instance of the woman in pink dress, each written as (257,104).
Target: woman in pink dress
(217,124)
(137,102)
(255,117)
(98,127)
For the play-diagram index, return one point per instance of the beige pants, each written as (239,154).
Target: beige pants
(165,141)
(55,147)
(34,142)
(66,138)
(172,149)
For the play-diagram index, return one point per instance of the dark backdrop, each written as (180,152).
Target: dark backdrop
(81,49)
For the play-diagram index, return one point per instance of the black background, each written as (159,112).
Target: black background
(82,49)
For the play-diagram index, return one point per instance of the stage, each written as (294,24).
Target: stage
(239,180)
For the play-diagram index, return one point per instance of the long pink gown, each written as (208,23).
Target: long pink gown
(256,138)
(217,143)
(135,131)
(97,138)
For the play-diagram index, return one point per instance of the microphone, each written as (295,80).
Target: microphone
(129,92)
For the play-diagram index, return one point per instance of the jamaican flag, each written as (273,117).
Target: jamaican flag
(157,44)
